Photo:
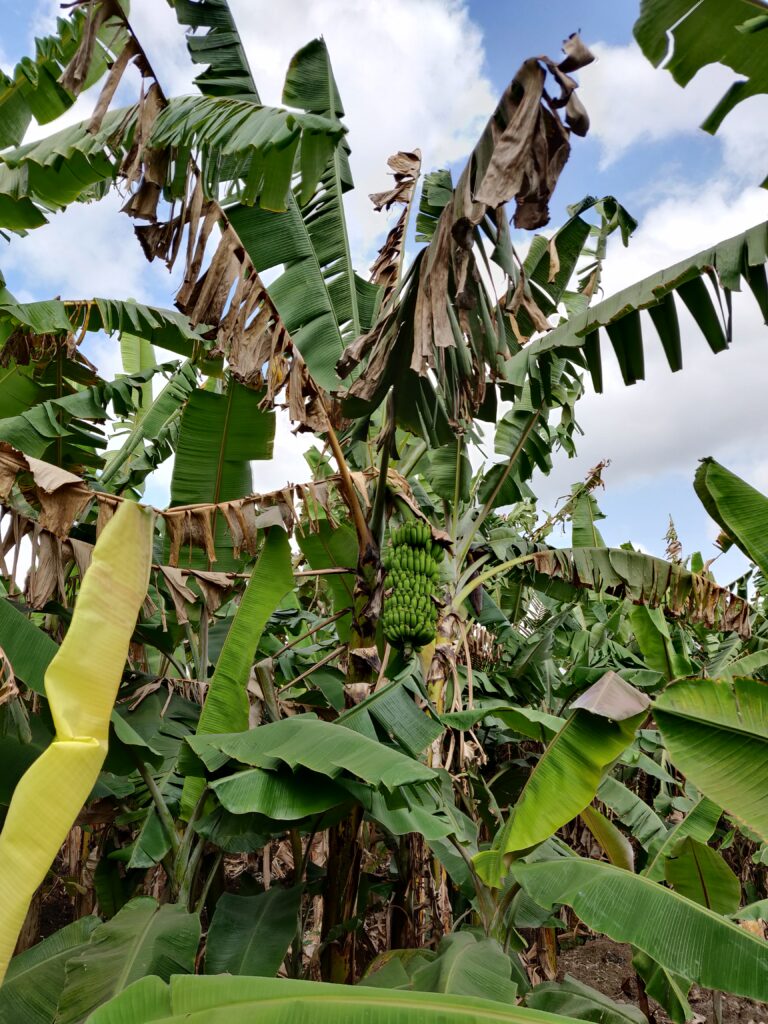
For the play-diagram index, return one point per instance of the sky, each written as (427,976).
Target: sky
(427,74)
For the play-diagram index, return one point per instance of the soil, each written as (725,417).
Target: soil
(607,966)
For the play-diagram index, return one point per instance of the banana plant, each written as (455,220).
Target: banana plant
(585,727)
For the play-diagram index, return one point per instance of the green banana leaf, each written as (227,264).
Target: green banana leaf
(153,422)
(60,429)
(727,32)
(251,934)
(641,820)
(666,988)
(239,146)
(219,436)
(392,708)
(35,88)
(29,648)
(138,354)
(716,732)
(463,965)
(753,912)
(611,839)
(700,823)
(143,938)
(317,295)
(281,796)
(685,938)
(699,873)
(738,509)
(331,547)
(311,86)
(226,702)
(574,999)
(279,1000)
(653,637)
(584,516)
(35,978)
(321,747)
(567,776)
(578,339)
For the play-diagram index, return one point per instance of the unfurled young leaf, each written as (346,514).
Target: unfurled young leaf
(81,684)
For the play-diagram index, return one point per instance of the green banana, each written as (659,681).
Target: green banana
(411,561)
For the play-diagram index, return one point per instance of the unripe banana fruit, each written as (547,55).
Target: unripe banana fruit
(411,561)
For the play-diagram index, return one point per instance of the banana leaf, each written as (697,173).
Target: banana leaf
(716,732)
(81,684)
(682,936)
(279,1000)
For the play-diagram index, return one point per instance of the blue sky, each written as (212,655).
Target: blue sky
(427,73)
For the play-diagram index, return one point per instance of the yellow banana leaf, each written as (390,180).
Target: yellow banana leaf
(81,685)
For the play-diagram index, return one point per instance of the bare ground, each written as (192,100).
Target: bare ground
(607,966)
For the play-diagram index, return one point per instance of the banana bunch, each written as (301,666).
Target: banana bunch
(411,562)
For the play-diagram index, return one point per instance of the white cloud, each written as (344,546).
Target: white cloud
(409,72)
(630,101)
(402,86)
(665,424)
(87,250)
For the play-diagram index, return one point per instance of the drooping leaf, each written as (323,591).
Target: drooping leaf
(137,355)
(682,936)
(319,746)
(716,732)
(649,581)
(567,776)
(666,988)
(572,998)
(738,509)
(251,934)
